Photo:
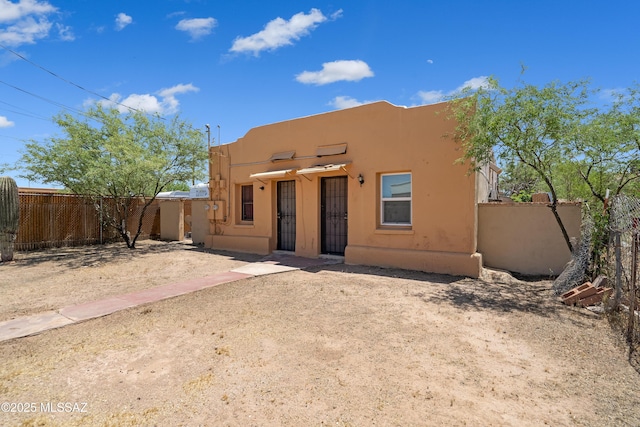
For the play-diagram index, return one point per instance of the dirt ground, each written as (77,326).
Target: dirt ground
(334,345)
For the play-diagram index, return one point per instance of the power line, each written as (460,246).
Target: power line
(69,81)
(11,137)
(57,104)
(25,113)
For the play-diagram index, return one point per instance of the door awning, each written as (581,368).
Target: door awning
(271,174)
(323,168)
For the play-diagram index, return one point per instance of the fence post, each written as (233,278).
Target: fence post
(618,255)
(101,207)
(632,286)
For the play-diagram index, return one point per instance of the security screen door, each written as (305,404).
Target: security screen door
(333,215)
(286,215)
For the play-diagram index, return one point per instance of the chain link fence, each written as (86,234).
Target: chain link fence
(622,257)
(574,273)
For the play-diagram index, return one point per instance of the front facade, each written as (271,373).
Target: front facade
(376,184)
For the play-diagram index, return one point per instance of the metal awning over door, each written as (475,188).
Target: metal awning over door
(271,174)
(323,168)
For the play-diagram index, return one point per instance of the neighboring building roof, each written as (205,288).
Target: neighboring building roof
(173,195)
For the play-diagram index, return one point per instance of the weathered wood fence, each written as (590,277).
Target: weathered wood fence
(54,220)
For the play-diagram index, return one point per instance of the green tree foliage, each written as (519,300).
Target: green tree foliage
(519,181)
(606,149)
(560,138)
(525,125)
(129,158)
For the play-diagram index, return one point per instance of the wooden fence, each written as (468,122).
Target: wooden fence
(54,220)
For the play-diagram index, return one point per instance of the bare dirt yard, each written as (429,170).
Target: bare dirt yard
(333,345)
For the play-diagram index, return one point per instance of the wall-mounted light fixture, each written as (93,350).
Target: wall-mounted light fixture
(261,187)
(360,179)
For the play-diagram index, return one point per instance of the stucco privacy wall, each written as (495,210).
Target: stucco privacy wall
(381,139)
(199,222)
(172,220)
(525,237)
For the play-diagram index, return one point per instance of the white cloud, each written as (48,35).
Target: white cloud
(25,31)
(280,32)
(165,103)
(197,27)
(177,90)
(431,96)
(27,21)
(429,61)
(353,71)
(5,123)
(65,33)
(611,95)
(337,14)
(122,20)
(10,11)
(434,96)
(174,14)
(143,102)
(475,83)
(169,102)
(342,102)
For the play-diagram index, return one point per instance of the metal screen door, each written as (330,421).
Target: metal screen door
(286,214)
(333,205)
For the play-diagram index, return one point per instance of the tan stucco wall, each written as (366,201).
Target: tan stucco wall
(172,220)
(381,138)
(199,222)
(525,237)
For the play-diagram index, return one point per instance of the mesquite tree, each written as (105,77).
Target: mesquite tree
(527,124)
(128,158)
(9,217)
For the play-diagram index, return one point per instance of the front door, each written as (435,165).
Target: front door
(286,215)
(333,206)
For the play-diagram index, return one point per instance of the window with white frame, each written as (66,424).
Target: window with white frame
(395,199)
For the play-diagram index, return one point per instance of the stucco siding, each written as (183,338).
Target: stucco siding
(381,139)
(525,237)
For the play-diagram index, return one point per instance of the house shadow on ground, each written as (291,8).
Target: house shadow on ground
(495,291)
(92,255)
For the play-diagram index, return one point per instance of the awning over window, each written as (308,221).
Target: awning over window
(331,150)
(285,155)
(322,168)
(272,174)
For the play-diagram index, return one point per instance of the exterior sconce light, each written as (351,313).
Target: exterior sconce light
(360,179)
(261,187)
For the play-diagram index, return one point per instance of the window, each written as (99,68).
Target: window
(247,203)
(395,199)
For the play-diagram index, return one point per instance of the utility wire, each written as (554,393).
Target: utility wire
(25,112)
(57,104)
(68,81)
(33,116)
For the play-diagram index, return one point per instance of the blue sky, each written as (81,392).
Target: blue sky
(241,64)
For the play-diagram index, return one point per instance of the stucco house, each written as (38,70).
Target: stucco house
(377,184)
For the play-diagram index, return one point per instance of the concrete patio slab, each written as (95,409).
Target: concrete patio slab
(93,309)
(30,325)
(263,268)
(301,262)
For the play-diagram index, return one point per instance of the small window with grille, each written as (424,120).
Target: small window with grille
(247,203)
